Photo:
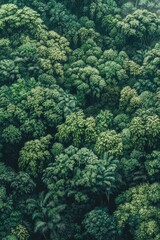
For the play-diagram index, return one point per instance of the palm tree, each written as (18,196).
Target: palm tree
(108,174)
(46,215)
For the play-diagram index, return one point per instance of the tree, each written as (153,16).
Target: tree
(28,109)
(109,141)
(94,75)
(104,120)
(137,210)
(10,217)
(129,100)
(20,232)
(77,130)
(79,119)
(99,224)
(46,215)
(130,6)
(22,185)
(152,165)
(145,131)
(79,174)
(150,74)
(141,25)
(35,155)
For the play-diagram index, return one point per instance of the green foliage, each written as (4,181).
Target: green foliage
(46,215)
(10,237)
(35,155)
(20,232)
(104,121)
(77,130)
(150,5)
(79,119)
(110,142)
(129,100)
(78,173)
(152,165)
(142,25)
(22,184)
(11,134)
(94,74)
(6,175)
(28,108)
(57,149)
(138,210)
(108,178)
(145,130)
(100,225)
(9,216)
(150,73)
(14,190)
(121,121)
(133,168)
(12,16)
(30,50)
(58,176)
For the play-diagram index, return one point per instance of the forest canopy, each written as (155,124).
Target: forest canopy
(79,120)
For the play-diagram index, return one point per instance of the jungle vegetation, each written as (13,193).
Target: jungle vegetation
(80,120)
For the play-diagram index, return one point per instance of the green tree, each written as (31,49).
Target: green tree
(46,215)
(138,211)
(77,130)
(35,155)
(142,26)
(109,141)
(100,225)
(79,174)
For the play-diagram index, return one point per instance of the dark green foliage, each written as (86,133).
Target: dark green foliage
(77,130)
(79,119)
(100,225)
(152,165)
(22,184)
(142,25)
(78,173)
(9,216)
(150,72)
(93,74)
(130,6)
(46,215)
(35,108)
(138,209)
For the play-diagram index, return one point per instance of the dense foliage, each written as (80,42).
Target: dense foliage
(80,120)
